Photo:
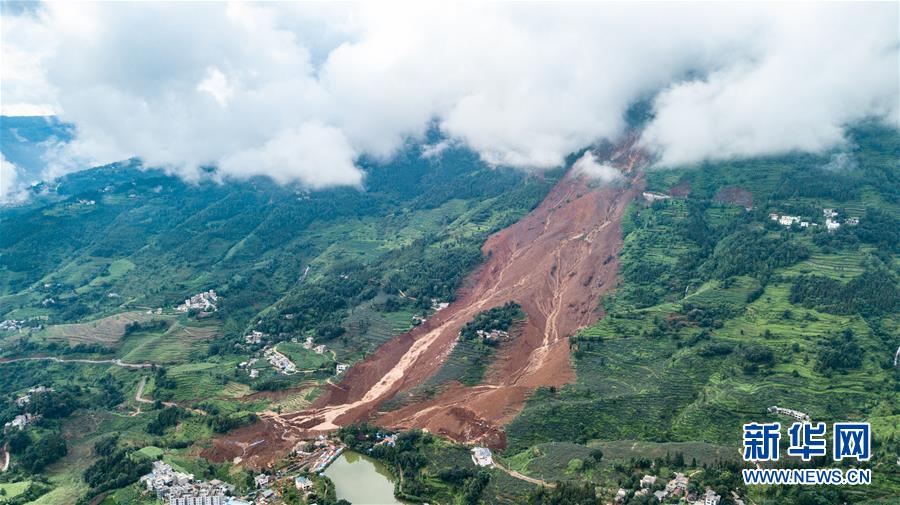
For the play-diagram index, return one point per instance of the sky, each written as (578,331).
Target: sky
(300,91)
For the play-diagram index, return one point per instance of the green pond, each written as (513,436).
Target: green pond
(362,480)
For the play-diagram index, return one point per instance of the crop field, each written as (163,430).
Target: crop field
(13,489)
(173,345)
(106,331)
(368,328)
(197,381)
(114,271)
(843,266)
(550,461)
(295,401)
(305,359)
(625,450)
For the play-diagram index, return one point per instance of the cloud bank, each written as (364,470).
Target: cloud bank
(299,92)
(591,167)
(10,185)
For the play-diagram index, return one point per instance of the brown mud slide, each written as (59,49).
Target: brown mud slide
(556,263)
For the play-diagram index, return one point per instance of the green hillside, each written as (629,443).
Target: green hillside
(722,312)
(94,266)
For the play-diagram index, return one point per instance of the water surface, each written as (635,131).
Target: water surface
(362,480)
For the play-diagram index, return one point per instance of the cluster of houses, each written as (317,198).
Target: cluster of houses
(310,345)
(280,361)
(82,201)
(482,456)
(796,414)
(493,334)
(677,486)
(156,311)
(330,454)
(265,493)
(26,398)
(20,422)
(254,337)
(315,456)
(248,366)
(204,303)
(830,215)
(12,325)
(436,306)
(179,488)
(785,220)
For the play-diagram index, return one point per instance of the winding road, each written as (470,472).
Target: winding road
(116,362)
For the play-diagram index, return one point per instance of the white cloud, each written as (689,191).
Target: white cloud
(242,85)
(317,154)
(821,68)
(589,166)
(11,190)
(216,84)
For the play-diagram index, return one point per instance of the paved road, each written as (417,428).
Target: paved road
(116,362)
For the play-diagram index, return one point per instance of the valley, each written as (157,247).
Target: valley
(649,327)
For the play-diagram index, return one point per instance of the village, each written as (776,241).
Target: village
(174,487)
(830,216)
(179,488)
(676,487)
(203,304)
(278,360)
(23,420)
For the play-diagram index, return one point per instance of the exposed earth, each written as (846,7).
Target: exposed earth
(556,263)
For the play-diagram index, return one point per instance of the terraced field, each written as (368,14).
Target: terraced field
(174,345)
(369,328)
(106,331)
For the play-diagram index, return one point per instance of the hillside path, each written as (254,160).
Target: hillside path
(116,362)
(517,475)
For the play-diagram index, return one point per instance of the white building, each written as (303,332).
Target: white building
(832,225)
(482,456)
(21,421)
(711,498)
(788,220)
(302,483)
(341,368)
(679,483)
(796,414)
(648,480)
(261,480)
(197,500)
(652,197)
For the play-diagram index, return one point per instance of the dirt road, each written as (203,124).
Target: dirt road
(116,362)
(517,475)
